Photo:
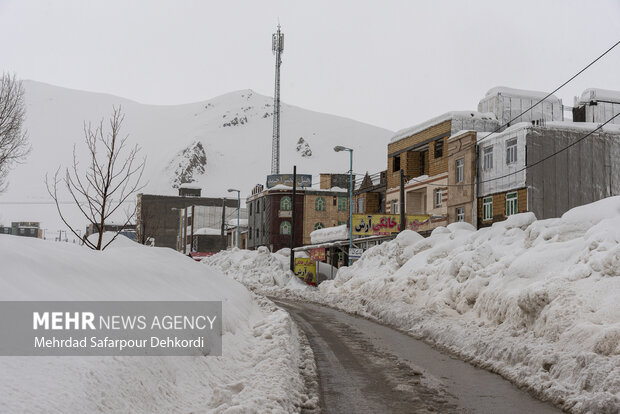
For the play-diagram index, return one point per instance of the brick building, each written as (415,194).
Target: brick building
(422,153)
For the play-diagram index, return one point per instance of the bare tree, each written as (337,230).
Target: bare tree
(14,145)
(113,174)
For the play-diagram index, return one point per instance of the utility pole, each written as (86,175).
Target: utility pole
(403,222)
(223,219)
(277,47)
(293,209)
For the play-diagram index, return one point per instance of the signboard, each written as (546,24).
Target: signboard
(387,224)
(305,269)
(317,255)
(303,180)
(355,253)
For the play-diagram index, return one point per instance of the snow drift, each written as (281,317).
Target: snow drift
(259,369)
(536,301)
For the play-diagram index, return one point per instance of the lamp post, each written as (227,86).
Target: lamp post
(230,190)
(339,148)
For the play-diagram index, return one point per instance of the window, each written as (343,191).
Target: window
(487,158)
(250,233)
(257,205)
(251,208)
(511,151)
(31,231)
(487,208)
(395,207)
(285,203)
(439,148)
(360,205)
(21,231)
(257,234)
(342,204)
(460,214)
(319,204)
(318,226)
(511,204)
(438,194)
(285,227)
(459,170)
(396,163)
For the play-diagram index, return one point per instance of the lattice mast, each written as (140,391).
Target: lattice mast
(277,47)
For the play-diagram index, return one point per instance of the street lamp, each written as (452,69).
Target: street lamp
(230,190)
(339,148)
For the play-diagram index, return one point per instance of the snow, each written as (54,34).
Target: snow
(258,372)
(190,186)
(259,270)
(279,187)
(595,94)
(333,189)
(454,116)
(533,300)
(329,234)
(56,116)
(242,222)
(208,232)
(522,93)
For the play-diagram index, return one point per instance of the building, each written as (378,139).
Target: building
(270,211)
(597,105)
(369,195)
(24,229)
(159,217)
(520,169)
(231,233)
(421,152)
(462,201)
(507,104)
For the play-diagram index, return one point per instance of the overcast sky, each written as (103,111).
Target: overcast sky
(389,63)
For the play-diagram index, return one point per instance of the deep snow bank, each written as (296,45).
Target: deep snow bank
(534,300)
(259,369)
(259,270)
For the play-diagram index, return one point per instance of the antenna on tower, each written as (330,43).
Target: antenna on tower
(277,47)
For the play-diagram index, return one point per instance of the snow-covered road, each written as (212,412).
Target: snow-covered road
(365,367)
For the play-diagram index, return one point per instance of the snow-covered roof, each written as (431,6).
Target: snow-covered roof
(190,186)
(453,115)
(280,187)
(208,231)
(333,189)
(242,222)
(329,234)
(595,94)
(522,93)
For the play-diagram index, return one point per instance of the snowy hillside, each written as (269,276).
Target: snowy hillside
(218,144)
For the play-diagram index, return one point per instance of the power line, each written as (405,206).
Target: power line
(527,166)
(554,91)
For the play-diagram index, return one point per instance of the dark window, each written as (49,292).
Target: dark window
(422,163)
(439,148)
(396,163)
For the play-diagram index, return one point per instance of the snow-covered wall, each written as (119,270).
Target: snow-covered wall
(508,103)
(489,181)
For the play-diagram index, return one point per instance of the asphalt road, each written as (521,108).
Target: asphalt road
(365,367)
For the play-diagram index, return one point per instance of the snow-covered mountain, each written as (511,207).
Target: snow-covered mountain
(217,144)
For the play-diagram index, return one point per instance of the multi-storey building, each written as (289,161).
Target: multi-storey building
(270,211)
(421,152)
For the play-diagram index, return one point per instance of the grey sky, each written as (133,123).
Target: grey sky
(389,63)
